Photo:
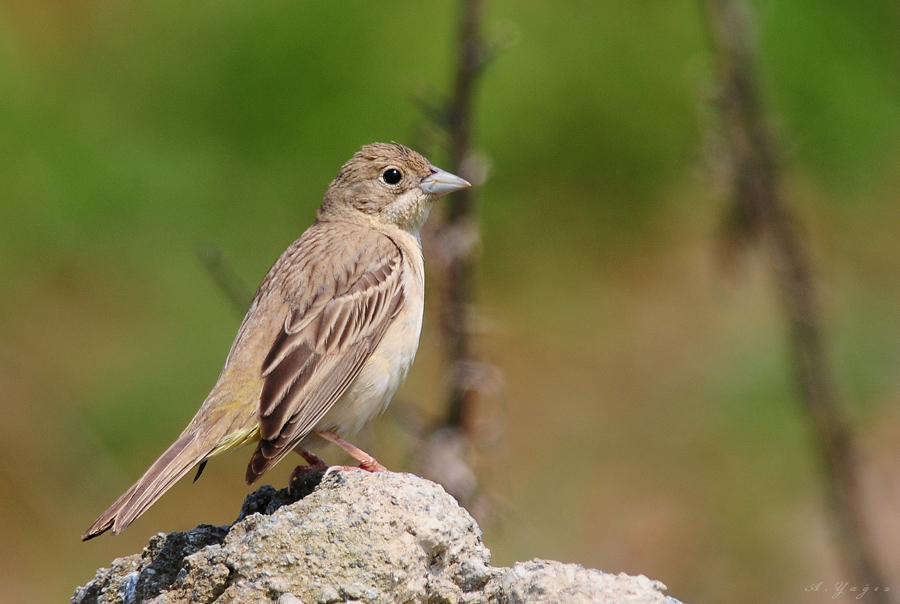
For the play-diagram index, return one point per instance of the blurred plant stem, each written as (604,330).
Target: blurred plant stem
(761,217)
(224,276)
(446,451)
(460,231)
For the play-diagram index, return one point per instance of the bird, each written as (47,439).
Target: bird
(329,336)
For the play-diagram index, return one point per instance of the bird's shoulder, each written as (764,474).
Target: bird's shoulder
(328,260)
(327,265)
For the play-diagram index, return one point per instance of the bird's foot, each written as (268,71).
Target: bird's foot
(366,461)
(316,464)
(371,465)
(377,467)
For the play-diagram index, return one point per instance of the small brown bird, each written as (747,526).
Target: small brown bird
(330,334)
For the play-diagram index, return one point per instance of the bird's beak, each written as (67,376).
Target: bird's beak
(441,182)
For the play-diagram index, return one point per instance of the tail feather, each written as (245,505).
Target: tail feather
(267,454)
(262,459)
(178,460)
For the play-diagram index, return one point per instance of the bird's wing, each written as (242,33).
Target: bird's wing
(339,317)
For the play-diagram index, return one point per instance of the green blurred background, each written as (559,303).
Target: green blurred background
(651,424)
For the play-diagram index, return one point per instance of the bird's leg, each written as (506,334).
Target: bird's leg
(311,458)
(316,464)
(366,461)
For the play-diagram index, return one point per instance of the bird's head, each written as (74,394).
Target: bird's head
(387,183)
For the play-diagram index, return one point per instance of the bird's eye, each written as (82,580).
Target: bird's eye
(391,176)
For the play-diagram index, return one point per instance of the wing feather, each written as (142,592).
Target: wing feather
(322,347)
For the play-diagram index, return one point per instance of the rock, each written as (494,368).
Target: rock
(348,537)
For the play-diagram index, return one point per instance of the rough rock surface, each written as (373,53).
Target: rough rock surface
(353,537)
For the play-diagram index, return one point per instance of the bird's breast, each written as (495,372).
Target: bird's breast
(385,370)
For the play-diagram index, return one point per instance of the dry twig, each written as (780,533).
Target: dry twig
(762,217)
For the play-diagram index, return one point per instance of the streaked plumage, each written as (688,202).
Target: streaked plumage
(330,334)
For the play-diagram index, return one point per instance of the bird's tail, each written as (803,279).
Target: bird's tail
(184,454)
